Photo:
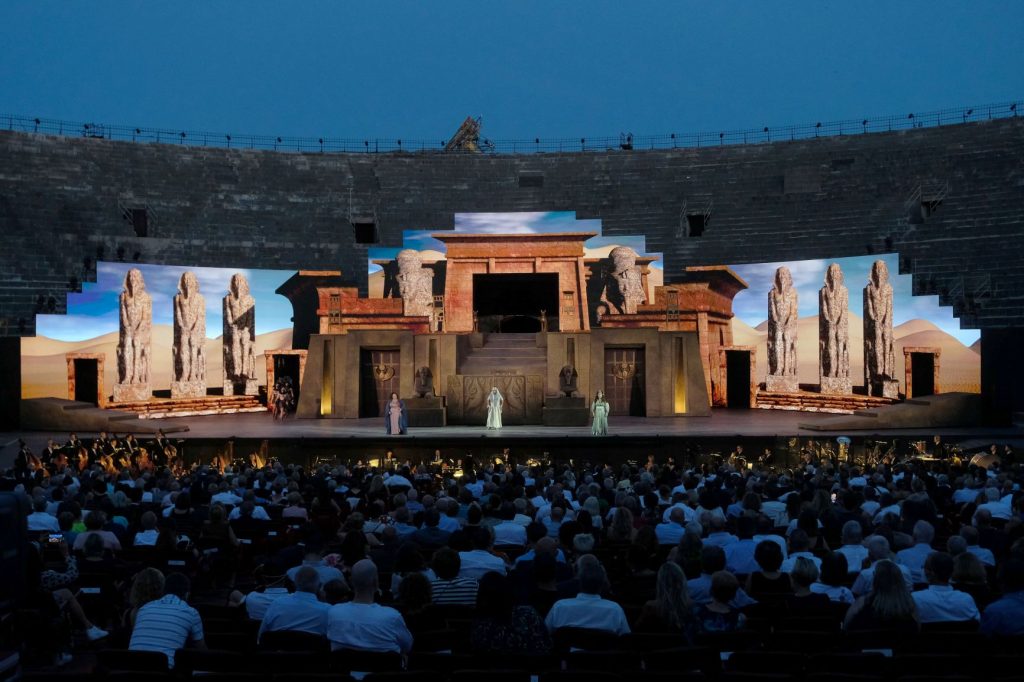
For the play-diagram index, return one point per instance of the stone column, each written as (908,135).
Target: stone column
(135,340)
(834,334)
(783,314)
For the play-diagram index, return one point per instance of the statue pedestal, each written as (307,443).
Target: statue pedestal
(835,385)
(562,411)
(426,411)
(188,389)
(243,387)
(886,388)
(781,384)
(132,393)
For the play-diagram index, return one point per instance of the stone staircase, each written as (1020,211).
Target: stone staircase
(506,354)
(157,408)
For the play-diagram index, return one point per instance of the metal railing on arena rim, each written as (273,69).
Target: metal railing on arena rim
(623,141)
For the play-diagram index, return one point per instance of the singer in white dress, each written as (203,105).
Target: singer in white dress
(494,404)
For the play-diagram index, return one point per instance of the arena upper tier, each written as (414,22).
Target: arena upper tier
(949,200)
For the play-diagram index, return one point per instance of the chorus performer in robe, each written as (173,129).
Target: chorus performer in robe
(495,403)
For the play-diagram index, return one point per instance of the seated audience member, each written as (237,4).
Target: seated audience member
(972,538)
(502,627)
(717,534)
(508,533)
(770,583)
(833,577)
(671,609)
(799,546)
(39,521)
(969,576)
(430,536)
(412,599)
(939,602)
(1005,616)
(739,556)
(148,535)
(315,560)
(719,615)
(94,523)
(169,623)
(853,548)
(672,531)
(588,609)
(478,561)
(300,611)
(878,550)
(147,586)
(621,529)
(804,601)
(888,606)
(712,560)
(914,557)
(217,530)
(363,625)
(447,587)
(295,510)
(336,592)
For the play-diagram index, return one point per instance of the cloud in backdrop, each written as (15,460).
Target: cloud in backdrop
(751,306)
(94,312)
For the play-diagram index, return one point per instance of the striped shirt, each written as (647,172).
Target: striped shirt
(166,625)
(458,591)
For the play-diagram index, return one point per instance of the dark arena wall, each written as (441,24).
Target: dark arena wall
(948,199)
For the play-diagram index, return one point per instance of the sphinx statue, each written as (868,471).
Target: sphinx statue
(783,314)
(240,338)
(834,333)
(424,384)
(189,351)
(134,342)
(415,284)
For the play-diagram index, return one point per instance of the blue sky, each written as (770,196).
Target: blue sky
(573,68)
(538,222)
(94,312)
(751,305)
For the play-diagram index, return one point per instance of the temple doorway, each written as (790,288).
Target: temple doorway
(922,371)
(378,378)
(86,380)
(624,381)
(737,379)
(288,366)
(513,302)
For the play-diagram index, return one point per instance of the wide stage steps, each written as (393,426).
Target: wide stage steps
(808,401)
(162,408)
(506,354)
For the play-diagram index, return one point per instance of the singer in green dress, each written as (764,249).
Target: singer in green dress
(599,411)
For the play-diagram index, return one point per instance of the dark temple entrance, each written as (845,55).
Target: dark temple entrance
(512,303)
(922,369)
(288,366)
(737,383)
(86,380)
(378,378)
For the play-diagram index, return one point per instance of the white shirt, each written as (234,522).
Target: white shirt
(965,495)
(835,593)
(226,497)
(787,565)
(449,523)
(998,510)
(688,513)
(893,509)
(776,511)
(367,627)
(587,611)
(914,558)
(327,573)
(941,603)
(739,557)
(258,513)
(41,521)
(165,625)
(257,603)
(669,533)
(855,556)
(720,539)
(510,533)
(477,563)
(301,612)
(777,539)
(985,556)
(146,538)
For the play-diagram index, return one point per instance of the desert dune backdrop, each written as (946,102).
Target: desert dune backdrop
(44,369)
(959,365)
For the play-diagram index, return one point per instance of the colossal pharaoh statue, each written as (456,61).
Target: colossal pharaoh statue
(189,351)
(240,338)
(782,323)
(134,340)
(879,349)
(415,284)
(623,290)
(834,333)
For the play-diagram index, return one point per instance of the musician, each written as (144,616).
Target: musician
(102,443)
(73,443)
(95,452)
(130,444)
(161,441)
(49,454)
(24,456)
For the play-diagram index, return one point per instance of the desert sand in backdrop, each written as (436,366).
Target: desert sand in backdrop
(959,365)
(44,370)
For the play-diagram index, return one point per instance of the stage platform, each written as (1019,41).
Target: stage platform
(312,440)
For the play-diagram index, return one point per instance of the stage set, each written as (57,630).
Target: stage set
(548,328)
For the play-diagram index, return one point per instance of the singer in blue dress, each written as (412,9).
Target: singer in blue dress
(599,411)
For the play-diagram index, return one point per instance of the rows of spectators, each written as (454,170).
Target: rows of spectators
(368,558)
